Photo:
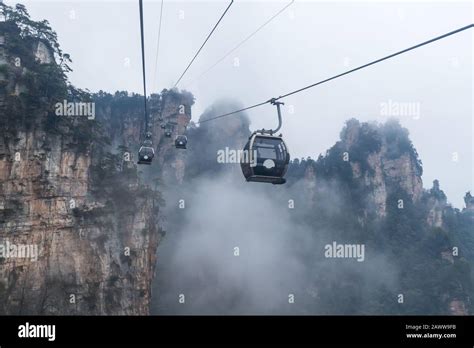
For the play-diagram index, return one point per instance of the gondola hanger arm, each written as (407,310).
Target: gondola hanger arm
(274,101)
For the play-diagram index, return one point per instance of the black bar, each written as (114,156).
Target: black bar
(288,330)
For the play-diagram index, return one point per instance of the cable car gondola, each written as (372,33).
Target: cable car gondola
(181,141)
(267,156)
(146,152)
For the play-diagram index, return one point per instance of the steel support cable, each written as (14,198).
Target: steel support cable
(242,42)
(204,43)
(158,47)
(140,3)
(342,74)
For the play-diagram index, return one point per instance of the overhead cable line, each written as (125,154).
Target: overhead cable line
(342,74)
(243,41)
(143,63)
(158,46)
(207,38)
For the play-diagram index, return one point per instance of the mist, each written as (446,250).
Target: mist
(234,247)
(276,257)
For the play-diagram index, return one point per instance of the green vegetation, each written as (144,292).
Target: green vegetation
(429,275)
(30,92)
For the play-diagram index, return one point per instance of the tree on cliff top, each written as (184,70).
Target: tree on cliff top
(18,18)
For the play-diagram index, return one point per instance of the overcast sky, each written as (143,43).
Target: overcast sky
(308,42)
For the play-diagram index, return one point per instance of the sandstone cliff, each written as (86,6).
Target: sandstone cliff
(69,186)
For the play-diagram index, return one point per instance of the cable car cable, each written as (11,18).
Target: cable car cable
(378,60)
(140,3)
(207,38)
(344,73)
(234,112)
(146,151)
(158,46)
(243,41)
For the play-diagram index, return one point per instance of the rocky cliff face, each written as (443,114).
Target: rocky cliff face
(368,187)
(437,203)
(385,168)
(72,199)
(380,160)
(469,201)
(377,161)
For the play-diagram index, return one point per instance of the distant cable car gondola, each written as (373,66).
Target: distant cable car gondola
(146,152)
(181,141)
(266,156)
